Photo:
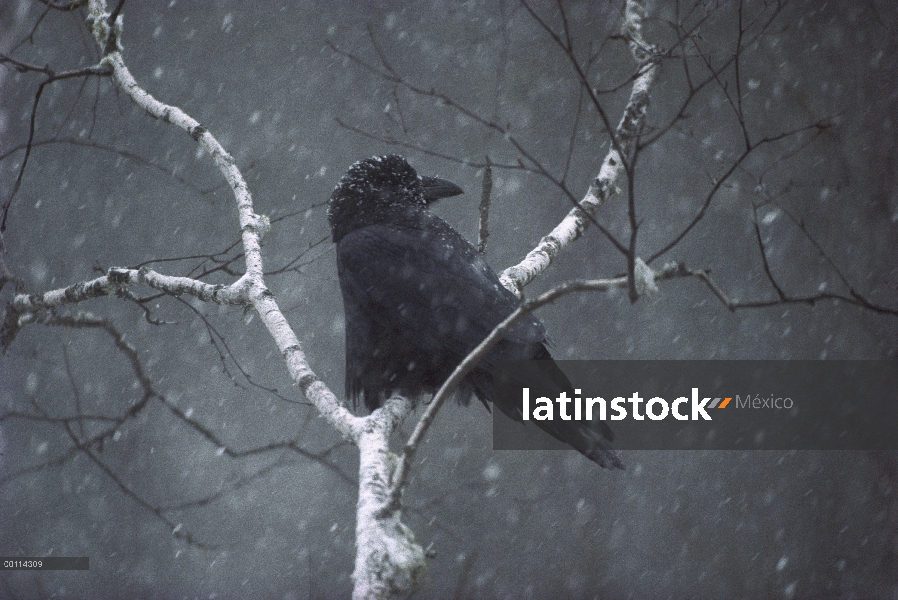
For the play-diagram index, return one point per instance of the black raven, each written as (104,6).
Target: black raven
(418,298)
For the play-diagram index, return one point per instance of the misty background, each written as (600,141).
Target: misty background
(116,188)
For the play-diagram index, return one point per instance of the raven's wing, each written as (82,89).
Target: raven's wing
(430,284)
(420,296)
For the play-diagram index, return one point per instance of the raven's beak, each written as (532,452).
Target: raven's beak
(436,188)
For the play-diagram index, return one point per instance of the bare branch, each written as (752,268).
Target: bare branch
(253,226)
(810,300)
(51,77)
(817,127)
(602,187)
(763,250)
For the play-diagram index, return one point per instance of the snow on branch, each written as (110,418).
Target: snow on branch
(250,288)
(389,563)
(117,278)
(603,186)
(252,225)
(27,308)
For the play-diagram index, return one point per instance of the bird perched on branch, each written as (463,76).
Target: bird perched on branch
(418,298)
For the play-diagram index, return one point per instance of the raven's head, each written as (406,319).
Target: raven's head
(377,189)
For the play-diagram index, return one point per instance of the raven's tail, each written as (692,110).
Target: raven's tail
(590,438)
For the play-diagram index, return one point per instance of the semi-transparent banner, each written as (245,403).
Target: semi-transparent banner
(702,405)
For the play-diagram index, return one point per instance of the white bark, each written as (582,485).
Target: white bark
(250,288)
(389,563)
(603,186)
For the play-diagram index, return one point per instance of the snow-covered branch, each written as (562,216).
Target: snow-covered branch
(252,225)
(26,308)
(118,278)
(603,186)
(389,563)
(251,287)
